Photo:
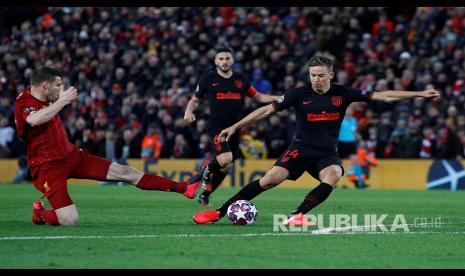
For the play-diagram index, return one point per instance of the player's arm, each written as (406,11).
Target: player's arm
(191,107)
(253,117)
(44,115)
(394,96)
(264,98)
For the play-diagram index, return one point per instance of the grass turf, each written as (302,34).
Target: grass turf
(124,227)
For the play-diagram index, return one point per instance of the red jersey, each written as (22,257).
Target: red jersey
(45,142)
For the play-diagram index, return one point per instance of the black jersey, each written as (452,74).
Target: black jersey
(225,97)
(319,116)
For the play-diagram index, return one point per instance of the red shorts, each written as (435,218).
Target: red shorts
(50,178)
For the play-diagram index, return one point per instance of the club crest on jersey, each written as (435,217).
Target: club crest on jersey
(336,100)
(29,109)
(238,83)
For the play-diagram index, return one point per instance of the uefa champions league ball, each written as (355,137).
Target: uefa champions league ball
(242,212)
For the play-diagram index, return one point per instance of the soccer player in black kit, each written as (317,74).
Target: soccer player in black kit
(225,92)
(320,107)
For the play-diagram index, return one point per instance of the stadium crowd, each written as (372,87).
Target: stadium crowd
(136,68)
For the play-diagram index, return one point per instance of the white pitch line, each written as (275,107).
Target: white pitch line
(323,231)
(332,230)
(315,232)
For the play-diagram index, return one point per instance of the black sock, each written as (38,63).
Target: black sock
(216,180)
(214,166)
(248,192)
(314,198)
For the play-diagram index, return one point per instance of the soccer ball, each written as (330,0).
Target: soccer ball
(242,212)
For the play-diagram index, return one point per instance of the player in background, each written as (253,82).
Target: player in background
(53,159)
(359,167)
(225,91)
(320,107)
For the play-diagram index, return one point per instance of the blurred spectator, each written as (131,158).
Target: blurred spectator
(252,148)
(276,137)
(259,82)
(181,148)
(152,143)
(6,137)
(428,143)
(448,144)
(127,147)
(123,63)
(23,173)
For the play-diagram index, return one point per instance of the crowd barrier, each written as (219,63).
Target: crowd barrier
(389,174)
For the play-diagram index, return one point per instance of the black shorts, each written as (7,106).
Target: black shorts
(299,158)
(346,149)
(231,146)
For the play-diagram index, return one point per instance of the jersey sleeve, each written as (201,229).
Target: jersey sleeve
(285,101)
(249,89)
(21,110)
(358,95)
(201,88)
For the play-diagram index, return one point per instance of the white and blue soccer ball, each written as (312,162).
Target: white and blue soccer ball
(242,212)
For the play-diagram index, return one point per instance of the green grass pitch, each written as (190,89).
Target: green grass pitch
(124,227)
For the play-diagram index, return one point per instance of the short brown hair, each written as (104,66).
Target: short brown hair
(44,73)
(321,61)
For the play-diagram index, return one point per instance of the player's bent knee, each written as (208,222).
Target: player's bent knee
(227,168)
(69,220)
(225,159)
(331,175)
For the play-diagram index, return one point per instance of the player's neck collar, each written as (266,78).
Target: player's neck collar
(321,93)
(223,75)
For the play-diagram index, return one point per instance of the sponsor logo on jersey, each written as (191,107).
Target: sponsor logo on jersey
(306,102)
(29,109)
(215,84)
(330,116)
(336,100)
(281,99)
(228,96)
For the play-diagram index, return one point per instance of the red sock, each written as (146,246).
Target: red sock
(49,216)
(153,182)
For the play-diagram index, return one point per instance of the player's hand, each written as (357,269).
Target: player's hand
(431,93)
(68,96)
(227,133)
(189,117)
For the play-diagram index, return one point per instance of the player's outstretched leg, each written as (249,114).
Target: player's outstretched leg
(153,182)
(192,185)
(249,192)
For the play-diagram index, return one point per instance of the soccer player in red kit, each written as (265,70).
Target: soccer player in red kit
(53,159)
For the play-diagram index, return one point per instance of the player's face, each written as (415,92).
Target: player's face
(320,77)
(52,90)
(223,61)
